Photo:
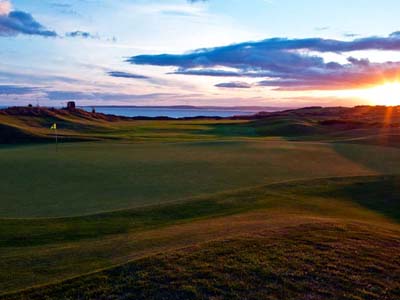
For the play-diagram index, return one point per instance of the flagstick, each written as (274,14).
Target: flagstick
(56,140)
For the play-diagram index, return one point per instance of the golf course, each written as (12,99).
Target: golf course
(299,204)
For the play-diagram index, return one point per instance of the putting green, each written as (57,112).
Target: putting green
(86,178)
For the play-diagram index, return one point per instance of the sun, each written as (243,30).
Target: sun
(386,94)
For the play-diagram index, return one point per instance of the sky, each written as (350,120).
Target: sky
(282,53)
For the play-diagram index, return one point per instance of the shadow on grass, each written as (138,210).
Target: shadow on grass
(380,194)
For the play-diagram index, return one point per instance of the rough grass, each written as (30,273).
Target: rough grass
(36,252)
(311,261)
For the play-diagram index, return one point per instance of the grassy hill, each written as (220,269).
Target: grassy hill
(314,123)
(304,262)
(301,204)
(292,232)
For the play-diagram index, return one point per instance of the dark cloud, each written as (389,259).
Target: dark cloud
(126,75)
(285,63)
(238,57)
(257,54)
(223,73)
(359,62)
(235,85)
(395,34)
(16,90)
(207,72)
(361,74)
(19,22)
(13,23)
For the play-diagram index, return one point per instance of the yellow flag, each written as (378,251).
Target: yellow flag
(54,126)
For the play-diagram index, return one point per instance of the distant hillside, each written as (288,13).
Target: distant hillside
(45,112)
(366,114)
(31,124)
(369,114)
(364,123)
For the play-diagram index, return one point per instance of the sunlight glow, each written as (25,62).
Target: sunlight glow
(386,94)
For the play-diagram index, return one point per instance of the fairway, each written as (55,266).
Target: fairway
(87,178)
(199,150)
(278,208)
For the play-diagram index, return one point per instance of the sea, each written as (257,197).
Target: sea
(171,112)
(175,112)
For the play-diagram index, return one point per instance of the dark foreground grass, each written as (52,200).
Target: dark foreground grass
(378,194)
(311,261)
(43,251)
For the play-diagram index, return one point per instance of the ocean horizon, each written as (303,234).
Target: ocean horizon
(175,111)
(171,112)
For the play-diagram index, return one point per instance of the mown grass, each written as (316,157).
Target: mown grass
(87,178)
(378,194)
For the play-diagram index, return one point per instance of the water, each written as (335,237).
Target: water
(172,112)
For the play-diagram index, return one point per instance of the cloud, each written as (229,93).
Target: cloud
(236,85)
(102,96)
(13,23)
(360,74)
(350,34)
(286,63)
(256,54)
(126,75)
(16,90)
(207,72)
(22,77)
(64,8)
(43,93)
(81,34)
(25,94)
(239,57)
(178,13)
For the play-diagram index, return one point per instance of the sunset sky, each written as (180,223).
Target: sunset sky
(286,53)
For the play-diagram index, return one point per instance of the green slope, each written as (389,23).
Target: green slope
(277,207)
(311,261)
(85,178)
(36,252)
